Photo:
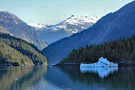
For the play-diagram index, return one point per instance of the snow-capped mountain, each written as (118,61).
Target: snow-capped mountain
(73,24)
(76,20)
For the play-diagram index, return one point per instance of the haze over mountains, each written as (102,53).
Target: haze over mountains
(113,26)
(73,24)
(11,24)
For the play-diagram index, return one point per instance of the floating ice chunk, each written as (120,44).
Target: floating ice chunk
(102,62)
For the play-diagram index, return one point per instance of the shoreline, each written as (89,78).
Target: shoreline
(78,64)
(21,65)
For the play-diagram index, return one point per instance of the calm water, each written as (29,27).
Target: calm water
(66,78)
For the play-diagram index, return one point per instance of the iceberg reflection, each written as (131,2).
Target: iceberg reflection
(101,71)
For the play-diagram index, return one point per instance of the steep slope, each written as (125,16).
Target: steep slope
(111,27)
(119,51)
(73,24)
(15,51)
(3,30)
(13,25)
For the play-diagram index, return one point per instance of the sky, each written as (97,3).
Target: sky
(54,11)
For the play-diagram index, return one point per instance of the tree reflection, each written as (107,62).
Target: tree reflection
(27,77)
(123,79)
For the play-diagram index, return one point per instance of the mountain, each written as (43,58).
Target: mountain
(11,24)
(110,27)
(66,28)
(15,51)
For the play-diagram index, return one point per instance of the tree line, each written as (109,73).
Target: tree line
(115,51)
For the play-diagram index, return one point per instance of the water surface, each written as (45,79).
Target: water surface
(66,78)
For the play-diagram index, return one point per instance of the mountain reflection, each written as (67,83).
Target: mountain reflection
(27,77)
(102,72)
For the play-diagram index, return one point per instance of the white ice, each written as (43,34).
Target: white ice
(102,62)
(103,67)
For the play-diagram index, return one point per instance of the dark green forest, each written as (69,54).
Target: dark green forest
(118,51)
(14,51)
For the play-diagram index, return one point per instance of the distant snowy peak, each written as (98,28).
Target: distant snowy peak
(73,20)
(66,28)
(39,25)
(76,19)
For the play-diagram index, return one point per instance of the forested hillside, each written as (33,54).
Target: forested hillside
(116,51)
(14,51)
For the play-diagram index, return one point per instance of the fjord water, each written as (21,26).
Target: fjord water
(66,78)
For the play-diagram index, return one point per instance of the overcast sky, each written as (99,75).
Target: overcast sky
(54,11)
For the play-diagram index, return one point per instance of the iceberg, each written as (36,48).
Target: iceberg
(102,62)
(103,67)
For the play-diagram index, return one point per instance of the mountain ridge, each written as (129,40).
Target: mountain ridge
(15,26)
(66,28)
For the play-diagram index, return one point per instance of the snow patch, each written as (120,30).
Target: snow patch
(39,25)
